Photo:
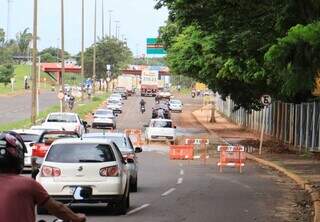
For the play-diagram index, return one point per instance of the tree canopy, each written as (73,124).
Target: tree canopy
(230,45)
(108,51)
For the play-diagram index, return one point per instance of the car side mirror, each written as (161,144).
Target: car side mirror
(92,114)
(175,127)
(138,150)
(85,123)
(145,125)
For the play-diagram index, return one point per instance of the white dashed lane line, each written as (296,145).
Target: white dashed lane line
(180,180)
(138,209)
(168,192)
(181,172)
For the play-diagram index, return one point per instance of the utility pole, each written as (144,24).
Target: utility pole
(8,19)
(102,24)
(94,49)
(82,49)
(110,23)
(34,64)
(117,22)
(61,82)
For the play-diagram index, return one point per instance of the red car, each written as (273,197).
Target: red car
(41,146)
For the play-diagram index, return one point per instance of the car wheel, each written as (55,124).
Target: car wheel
(134,186)
(42,211)
(122,207)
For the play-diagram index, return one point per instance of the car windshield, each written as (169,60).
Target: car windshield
(161,124)
(80,153)
(54,136)
(113,102)
(62,118)
(177,102)
(29,137)
(104,112)
(120,141)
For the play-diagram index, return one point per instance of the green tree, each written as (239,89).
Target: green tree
(52,55)
(6,73)
(23,40)
(108,51)
(223,43)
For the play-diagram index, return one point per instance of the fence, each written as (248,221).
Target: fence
(295,124)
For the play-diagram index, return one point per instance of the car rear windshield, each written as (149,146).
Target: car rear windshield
(163,124)
(54,136)
(62,118)
(120,141)
(29,137)
(103,112)
(80,153)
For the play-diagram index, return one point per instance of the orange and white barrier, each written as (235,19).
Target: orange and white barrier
(200,146)
(135,135)
(181,152)
(233,156)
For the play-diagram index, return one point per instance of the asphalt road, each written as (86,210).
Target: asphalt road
(14,108)
(190,191)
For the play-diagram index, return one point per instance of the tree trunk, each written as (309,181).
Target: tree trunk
(213,109)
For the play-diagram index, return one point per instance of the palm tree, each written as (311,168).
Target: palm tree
(23,40)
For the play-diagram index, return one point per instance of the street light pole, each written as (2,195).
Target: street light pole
(94,49)
(82,49)
(102,24)
(34,63)
(110,21)
(62,52)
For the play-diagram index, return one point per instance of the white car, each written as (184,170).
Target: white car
(160,130)
(114,105)
(68,121)
(116,96)
(43,128)
(104,118)
(29,136)
(93,163)
(125,145)
(175,105)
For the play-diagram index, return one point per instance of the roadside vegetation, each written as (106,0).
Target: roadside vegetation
(81,109)
(244,49)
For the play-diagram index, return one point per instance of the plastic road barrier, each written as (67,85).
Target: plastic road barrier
(135,135)
(200,148)
(181,152)
(233,156)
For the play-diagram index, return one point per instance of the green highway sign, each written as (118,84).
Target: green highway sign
(153,47)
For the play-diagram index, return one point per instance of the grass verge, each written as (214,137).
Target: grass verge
(82,110)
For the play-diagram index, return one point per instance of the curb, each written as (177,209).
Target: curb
(302,183)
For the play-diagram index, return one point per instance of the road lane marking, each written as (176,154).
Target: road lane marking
(180,164)
(181,172)
(180,180)
(168,192)
(138,209)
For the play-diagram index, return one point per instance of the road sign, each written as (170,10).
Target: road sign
(266,100)
(61,95)
(153,47)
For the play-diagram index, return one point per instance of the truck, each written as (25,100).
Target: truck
(149,83)
(126,81)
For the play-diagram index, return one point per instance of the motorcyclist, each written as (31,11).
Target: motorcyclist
(142,103)
(71,102)
(20,194)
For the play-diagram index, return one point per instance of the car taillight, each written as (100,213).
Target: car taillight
(48,171)
(109,171)
(39,151)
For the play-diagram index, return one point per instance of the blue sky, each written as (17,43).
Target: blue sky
(138,21)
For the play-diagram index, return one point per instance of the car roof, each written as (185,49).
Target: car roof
(106,134)
(28,131)
(166,120)
(82,141)
(60,113)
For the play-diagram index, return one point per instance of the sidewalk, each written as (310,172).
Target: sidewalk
(304,168)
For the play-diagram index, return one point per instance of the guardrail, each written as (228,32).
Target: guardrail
(295,124)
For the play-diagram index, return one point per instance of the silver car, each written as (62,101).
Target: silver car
(128,152)
(29,136)
(104,118)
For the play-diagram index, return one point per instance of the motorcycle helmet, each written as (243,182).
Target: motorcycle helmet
(12,150)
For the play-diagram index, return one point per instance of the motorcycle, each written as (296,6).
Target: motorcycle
(79,193)
(142,109)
